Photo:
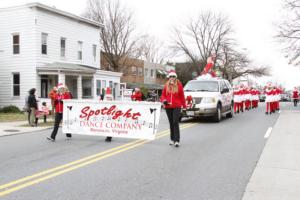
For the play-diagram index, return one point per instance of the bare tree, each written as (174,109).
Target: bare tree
(117,38)
(233,64)
(210,33)
(202,37)
(185,71)
(289,31)
(151,49)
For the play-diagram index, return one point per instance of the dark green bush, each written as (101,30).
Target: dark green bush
(10,109)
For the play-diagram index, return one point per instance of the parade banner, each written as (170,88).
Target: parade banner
(111,118)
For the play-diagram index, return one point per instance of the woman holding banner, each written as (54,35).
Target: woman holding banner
(173,100)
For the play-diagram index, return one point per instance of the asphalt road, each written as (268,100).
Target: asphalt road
(214,162)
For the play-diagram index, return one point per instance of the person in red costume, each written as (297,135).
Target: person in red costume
(247,98)
(269,100)
(208,69)
(137,96)
(189,101)
(236,99)
(256,97)
(242,97)
(173,99)
(295,96)
(58,100)
(252,97)
(273,103)
(108,97)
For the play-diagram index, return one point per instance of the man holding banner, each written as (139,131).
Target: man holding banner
(108,97)
(58,101)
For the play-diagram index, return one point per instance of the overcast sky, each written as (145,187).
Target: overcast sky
(253,22)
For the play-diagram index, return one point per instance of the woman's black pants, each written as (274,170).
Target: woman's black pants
(173,116)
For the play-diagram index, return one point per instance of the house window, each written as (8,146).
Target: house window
(152,73)
(110,84)
(133,70)
(44,43)
(94,51)
(16,44)
(146,72)
(16,84)
(86,87)
(62,47)
(98,85)
(79,53)
(140,71)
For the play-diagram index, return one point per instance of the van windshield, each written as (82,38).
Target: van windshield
(201,86)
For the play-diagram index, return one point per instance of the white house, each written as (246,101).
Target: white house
(41,46)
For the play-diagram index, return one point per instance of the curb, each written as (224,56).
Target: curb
(19,133)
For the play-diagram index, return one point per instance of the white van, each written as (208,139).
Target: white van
(211,97)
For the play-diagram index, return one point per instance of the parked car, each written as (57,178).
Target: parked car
(211,97)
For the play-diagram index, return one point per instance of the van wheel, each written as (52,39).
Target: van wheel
(218,115)
(230,115)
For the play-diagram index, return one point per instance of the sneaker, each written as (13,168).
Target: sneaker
(69,136)
(108,139)
(177,144)
(51,139)
(171,143)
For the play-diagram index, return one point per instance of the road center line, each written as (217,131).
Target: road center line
(268,132)
(50,173)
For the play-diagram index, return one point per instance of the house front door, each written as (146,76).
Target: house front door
(44,88)
(47,83)
(71,83)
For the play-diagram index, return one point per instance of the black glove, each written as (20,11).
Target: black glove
(165,102)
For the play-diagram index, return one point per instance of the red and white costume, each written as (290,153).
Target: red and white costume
(108,96)
(247,98)
(243,97)
(236,99)
(208,69)
(255,100)
(278,97)
(295,94)
(137,95)
(269,98)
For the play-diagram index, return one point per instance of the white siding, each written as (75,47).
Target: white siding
(19,20)
(106,76)
(147,78)
(30,23)
(58,26)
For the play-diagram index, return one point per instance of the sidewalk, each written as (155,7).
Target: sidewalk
(13,128)
(277,174)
